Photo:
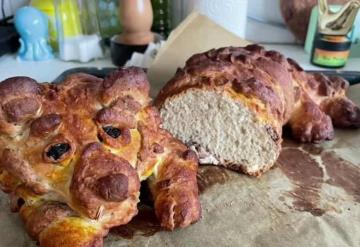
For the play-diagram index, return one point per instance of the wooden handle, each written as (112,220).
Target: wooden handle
(136,16)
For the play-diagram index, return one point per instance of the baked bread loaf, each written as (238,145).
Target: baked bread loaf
(72,156)
(230,104)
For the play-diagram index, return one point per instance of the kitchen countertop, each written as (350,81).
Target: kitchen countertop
(48,70)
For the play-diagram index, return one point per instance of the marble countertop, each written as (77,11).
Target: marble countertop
(47,71)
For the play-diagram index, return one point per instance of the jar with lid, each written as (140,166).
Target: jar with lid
(78,30)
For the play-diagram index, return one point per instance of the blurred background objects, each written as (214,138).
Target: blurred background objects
(108,17)
(78,30)
(82,31)
(162,23)
(32,25)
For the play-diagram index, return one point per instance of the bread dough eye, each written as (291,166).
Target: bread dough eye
(115,137)
(112,131)
(56,151)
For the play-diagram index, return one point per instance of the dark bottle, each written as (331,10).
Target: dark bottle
(162,18)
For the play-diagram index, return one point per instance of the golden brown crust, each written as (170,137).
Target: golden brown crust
(310,124)
(173,184)
(45,125)
(95,165)
(85,143)
(39,217)
(242,169)
(328,93)
(343,112)
(70,232)
(279,83)
(18,86)
(19,101)
(17,110)
(176,193)
(250,71)
(276,89)
(21,170)
(132,82)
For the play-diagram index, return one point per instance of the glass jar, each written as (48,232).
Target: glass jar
(78,30)
(108,17)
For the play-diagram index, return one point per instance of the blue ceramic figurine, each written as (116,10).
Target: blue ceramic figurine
(32,25)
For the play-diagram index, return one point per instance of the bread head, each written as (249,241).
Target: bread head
(72,155)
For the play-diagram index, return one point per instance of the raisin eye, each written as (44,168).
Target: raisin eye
(56,151)
(112,131)
(20,202)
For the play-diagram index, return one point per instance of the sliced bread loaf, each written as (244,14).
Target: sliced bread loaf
(230,104)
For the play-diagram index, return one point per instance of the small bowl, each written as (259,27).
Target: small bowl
(121,53)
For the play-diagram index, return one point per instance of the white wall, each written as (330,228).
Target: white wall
(12,5)
(265,23)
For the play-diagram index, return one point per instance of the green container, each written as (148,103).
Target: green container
(108,16)
(162,17)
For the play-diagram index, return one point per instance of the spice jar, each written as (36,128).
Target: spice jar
(332,44)
(331,51)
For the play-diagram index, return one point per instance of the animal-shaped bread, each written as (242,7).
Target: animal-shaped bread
(73,154)
(231,104)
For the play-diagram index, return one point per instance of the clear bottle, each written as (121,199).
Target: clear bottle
(78,30)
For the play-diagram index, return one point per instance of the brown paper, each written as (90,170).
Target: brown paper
(310,198)
(196,34)
(322,208)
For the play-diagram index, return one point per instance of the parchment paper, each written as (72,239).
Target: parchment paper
(310,198)
(197,33)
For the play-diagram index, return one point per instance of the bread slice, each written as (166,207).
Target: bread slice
(221,130)
(230,104)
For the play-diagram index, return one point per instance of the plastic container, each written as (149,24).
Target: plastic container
(78,30)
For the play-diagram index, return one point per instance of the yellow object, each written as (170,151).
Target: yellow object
(43,4)
(47,7)
(69,14)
